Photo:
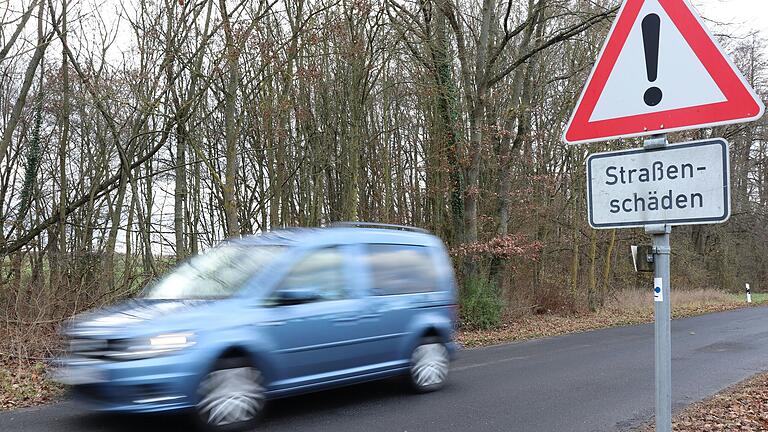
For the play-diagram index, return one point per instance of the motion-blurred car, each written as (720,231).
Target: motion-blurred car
(268,316)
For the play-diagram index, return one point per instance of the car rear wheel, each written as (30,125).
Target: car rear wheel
(429,365)
(231,396)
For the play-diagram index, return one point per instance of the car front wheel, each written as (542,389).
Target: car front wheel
(231,396)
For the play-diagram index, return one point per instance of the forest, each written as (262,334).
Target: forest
(136,133)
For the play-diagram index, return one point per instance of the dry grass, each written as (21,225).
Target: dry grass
(624,308)
(681,299)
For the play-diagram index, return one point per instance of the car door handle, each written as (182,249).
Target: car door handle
(273,323)
(346,319)
(369,316)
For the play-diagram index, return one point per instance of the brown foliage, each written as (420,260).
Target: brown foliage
(503,247)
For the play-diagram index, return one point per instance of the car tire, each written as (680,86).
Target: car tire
(231,396)
(429,364)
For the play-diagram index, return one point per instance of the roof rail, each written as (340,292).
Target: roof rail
(378,225)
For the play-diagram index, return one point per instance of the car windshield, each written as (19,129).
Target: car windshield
(217,273)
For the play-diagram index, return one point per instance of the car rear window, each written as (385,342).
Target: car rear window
(401,269)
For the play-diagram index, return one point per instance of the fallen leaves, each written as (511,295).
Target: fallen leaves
(24,384)
(743,407)
(23,366)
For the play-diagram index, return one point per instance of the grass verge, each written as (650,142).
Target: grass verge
(24,354)
(24,384)
(625,308)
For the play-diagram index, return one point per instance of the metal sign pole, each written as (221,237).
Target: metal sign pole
(663,336)
(662,312)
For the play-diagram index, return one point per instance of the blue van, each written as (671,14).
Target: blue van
(269,316)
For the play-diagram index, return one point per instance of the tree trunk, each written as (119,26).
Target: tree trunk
(230,126)
(29,76)
(607,268)
(592,292)
(61,250)
(448,117)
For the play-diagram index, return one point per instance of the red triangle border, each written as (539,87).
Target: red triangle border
(741,103)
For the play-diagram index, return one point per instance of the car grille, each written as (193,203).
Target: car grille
(94,348)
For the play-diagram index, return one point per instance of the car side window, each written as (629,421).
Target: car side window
(321,271)
(401,269)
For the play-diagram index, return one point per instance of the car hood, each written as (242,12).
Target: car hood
(128,316)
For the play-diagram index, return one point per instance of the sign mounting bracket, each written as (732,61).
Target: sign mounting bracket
(655,142)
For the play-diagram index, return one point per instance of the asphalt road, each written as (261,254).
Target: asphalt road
(596,381)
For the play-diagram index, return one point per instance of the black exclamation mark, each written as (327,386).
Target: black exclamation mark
(651,30)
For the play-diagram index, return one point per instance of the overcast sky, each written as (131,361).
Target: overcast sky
(732,17)
(744,15)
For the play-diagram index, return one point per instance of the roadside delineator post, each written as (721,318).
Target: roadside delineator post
(749,295)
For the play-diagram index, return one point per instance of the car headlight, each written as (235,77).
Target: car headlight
(172,340)
(132,349)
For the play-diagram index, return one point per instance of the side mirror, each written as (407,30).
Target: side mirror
(298,296)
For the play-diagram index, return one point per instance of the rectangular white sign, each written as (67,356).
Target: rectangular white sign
(681,184)
(658,289)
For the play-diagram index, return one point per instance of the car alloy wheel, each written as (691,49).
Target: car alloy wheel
(429,366)
(231,398)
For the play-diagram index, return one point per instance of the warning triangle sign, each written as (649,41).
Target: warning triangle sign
(660,71)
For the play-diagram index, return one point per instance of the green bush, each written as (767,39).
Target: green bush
(481,305)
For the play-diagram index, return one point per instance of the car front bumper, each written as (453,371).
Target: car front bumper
(164,383)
